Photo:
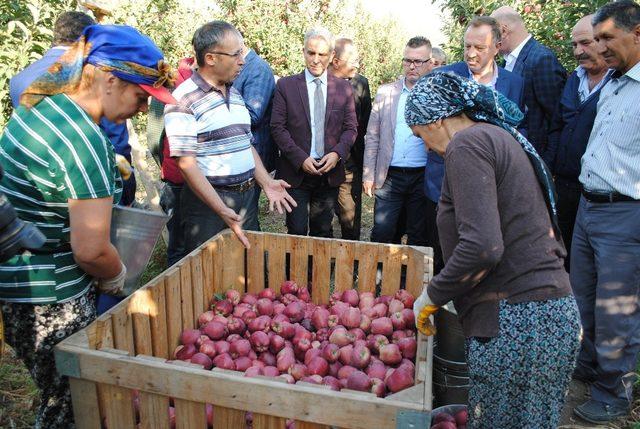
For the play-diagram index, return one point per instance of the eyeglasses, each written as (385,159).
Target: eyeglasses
(234,55)
(416,63)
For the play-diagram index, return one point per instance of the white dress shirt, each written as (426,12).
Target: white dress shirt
(510,59)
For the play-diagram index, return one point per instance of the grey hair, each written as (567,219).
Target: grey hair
(439,54)
(209,36)
(320,33)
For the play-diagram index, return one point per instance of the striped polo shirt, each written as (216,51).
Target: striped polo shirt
(51,153)
(213,128)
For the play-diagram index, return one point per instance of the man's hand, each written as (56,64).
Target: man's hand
(367,187)
(276,192)
(234,221)
(310,166)
(328,162)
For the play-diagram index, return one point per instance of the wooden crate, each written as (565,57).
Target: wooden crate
(127,348)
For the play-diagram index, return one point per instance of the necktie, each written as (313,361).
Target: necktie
(318,116)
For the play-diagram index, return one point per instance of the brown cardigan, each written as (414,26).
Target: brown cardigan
(495,232)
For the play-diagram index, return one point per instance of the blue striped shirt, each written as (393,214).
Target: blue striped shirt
(213,128)
(612,159)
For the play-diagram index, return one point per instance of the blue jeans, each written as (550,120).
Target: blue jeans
(605,277)
(403,188)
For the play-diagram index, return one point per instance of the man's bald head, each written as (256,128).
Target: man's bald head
(585,49)
(512,27)
(583,26)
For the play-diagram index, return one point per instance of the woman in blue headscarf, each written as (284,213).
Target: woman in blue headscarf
(503,255)
(61,175)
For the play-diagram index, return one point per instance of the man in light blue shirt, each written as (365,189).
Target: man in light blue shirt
(605,251)
(394,159)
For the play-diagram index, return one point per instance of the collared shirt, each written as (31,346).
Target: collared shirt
(311,91)
(494,79)
(511,58)
(611,161)
(408,150)
(583,88)
(213,128)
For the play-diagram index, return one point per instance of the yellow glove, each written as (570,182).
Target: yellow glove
(423,308)
(124,167)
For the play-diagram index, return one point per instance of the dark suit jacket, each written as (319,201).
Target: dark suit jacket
(544,78)
(291,126)
(362,98)
(508,84)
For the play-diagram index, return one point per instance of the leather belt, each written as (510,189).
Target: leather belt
(606,197)
(410,170)
(238,187)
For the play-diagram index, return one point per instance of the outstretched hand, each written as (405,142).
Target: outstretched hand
(279,198)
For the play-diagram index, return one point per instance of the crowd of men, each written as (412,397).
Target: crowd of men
(314,141)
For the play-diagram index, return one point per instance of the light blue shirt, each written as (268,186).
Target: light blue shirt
(583,88)
(611,161)
(408,150)
(494,79)
(311,91)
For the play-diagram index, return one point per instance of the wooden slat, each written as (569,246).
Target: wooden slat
(158,320)
(367,255)
(186,294)
(174,309)
(228,418)
(415,271)
(190,415)
(275,246)
(217,256)
(298,259)
(391,269)
(309,425)
(321,275)
(104,331)
(84,395)
(264,421)
(345,255)
(207,272)
(255,262)
(233,276)
(197,284)
(154,411)
(123,329)
(140,306)
(118,407)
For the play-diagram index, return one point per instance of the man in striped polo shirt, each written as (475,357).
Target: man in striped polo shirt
(209,131)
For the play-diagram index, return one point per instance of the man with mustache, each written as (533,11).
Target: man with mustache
(572,124)
(605,252)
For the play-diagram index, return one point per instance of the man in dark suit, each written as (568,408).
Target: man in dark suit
(345,65)
(543,75)
(314,124)
(481,43)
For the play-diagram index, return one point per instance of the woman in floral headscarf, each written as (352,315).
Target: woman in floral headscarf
(61,175)
(503,255)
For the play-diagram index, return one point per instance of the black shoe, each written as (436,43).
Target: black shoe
(582,376)
(598,412)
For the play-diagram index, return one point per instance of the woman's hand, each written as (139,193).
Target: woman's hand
(423,308)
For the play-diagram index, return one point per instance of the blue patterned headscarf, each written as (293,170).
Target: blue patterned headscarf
(442,95)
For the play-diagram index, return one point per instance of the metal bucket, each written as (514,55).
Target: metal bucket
(134,232)
(449,389)
(452,367)
(449,335)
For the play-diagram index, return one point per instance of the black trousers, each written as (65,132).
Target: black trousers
(568,202)
(316,204)
(432,237)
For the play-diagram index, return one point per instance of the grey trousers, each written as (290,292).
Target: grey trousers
(605,277)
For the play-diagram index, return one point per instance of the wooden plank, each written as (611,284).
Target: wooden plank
(154,411)
(123,329)
(275,246)
(298,259)
(233,275)
(190,414)
(119,411)
(140,307)
(321,276)
(345,255)
(84,395)
(207,272)
(367,256)
(265,421)
(415,272)
(309,425)
(391,269)
(186,294)
(174,309)
(228,418)
(218,262)
(158,320)
(255,262)
(104,331)
(197,285)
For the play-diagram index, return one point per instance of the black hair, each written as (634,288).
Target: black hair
(209,36)
(625,14)
(69,27)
